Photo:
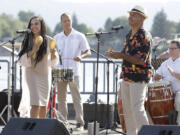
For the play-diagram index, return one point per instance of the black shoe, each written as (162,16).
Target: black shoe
(79,127)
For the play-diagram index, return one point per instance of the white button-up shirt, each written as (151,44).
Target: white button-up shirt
(70,47)
(163,70)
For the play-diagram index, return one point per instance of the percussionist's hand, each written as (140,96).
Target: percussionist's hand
(158,77)
(78,58)
(171,71)
(109,52)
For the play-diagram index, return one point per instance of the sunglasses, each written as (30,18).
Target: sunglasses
(173,48)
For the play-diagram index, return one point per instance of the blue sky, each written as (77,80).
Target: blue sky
(91,12)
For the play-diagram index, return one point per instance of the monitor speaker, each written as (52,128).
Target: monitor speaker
(30,126)
(159,130)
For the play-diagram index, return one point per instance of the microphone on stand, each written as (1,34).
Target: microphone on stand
(28,31)
(118,27)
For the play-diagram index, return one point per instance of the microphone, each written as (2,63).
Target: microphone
(24,31)
(117,27)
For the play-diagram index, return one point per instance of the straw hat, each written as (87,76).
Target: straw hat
(140,10)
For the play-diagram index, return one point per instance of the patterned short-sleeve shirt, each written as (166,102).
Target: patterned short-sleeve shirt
(140,45)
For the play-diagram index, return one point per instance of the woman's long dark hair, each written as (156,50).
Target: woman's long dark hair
(27,43)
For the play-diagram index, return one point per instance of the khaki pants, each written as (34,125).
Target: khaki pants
(62,102)
(133,96)
(177,106)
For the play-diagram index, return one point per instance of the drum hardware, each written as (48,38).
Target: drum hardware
(164,116)
(52,112)
(156,63)
(162,100)
(64,74)
(166,94)
(153,94)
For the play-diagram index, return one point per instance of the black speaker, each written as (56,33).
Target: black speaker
(159,130)
(4,102)
(101,114)
(29,126)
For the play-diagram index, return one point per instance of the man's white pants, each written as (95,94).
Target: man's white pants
(133,97)
(177,106)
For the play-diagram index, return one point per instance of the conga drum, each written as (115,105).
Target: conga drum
(160,101)
(120,112)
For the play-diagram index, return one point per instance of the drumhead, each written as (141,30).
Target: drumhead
(159,83)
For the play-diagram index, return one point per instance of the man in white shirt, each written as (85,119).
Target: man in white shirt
(170,71)
(72,46)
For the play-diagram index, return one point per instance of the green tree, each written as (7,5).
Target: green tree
(25,16)
(160,27)
(5,30)
(9,25)
(108,24)
(178,28)
(75,21)
(80,27)
(120,35)
(48,31)
(58,28)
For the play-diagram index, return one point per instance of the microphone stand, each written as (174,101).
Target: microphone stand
(10,105)
(107,111)
(98,36)
(155,58)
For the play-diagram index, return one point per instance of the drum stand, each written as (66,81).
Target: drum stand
(10,105)
(52,101)
(52,111)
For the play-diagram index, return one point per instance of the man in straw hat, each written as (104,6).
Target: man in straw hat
(136,70)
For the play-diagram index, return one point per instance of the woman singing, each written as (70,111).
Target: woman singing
(36,57)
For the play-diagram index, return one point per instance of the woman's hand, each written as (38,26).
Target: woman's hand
(33,51)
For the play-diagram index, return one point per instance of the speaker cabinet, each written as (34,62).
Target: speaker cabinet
(89,112)
(159,130)
(29,126)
